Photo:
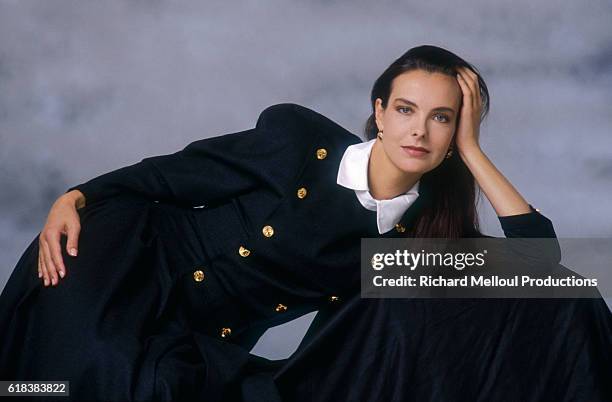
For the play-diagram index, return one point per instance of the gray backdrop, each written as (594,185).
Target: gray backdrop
(90,86)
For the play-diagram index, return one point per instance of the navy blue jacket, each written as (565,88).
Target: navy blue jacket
(278,178)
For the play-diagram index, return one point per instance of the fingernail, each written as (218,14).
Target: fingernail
(61,273)
(40,274)
(46,282)
(73,252)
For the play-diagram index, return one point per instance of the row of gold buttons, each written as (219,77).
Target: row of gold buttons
(267,231)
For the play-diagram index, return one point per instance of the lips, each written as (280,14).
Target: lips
(415,152)
(421,149)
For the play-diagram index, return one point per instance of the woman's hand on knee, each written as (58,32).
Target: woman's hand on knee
(63,219)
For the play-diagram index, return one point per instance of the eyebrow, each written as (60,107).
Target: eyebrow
(440,108)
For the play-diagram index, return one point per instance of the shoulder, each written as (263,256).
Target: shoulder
(304,122)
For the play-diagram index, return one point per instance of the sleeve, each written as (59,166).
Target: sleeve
(544,249)
(531,224)
(209,170)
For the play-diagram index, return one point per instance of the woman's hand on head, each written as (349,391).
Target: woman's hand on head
(63,219)
(468,130)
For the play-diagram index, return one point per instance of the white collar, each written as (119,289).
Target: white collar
(353,174)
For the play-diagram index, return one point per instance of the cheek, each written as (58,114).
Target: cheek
(394,125)
(440,143)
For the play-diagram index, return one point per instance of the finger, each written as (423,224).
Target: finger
(470,73)
(473,82)
(475,78)
(56,254)
(470,80)
(472,95)
(464,87)
(47,279)
(73,240)
(55,248)
(49,263)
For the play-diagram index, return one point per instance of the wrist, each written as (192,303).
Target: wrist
(76,198)
(469,150)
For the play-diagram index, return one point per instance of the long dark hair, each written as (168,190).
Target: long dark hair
(448,192)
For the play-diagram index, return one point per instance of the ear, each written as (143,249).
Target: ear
(379,113)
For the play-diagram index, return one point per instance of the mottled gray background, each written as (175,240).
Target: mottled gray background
(90,86)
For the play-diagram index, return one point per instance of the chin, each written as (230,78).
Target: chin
(412,165)
(415,168)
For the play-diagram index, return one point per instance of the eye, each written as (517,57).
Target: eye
(403,108)
(445,118)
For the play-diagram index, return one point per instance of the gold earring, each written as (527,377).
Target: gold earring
(449,153)
(380,134)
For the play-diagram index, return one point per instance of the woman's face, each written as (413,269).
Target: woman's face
(422,111)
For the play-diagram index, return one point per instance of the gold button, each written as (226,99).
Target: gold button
(268,231)
(281,308)
(225,332)
(198,275)
(321,153)
(334,298)
(400,228)
(301,193)
(244,252)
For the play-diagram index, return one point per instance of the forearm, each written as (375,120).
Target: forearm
(518,218)
(504,198)
(140,179)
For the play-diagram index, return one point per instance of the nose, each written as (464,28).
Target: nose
(420,128)
(419,131)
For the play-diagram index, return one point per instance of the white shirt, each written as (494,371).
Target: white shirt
(353,174)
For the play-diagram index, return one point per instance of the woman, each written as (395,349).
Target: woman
(249,230)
